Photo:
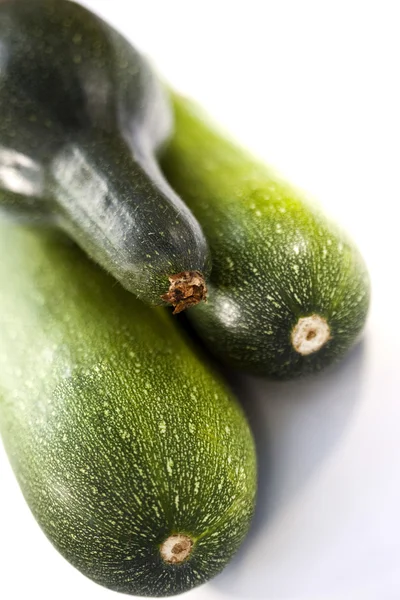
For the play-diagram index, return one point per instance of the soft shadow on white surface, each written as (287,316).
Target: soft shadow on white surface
(297,426)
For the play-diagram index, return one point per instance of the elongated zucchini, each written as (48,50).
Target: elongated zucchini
(82,116)
(132,456)
(289,292)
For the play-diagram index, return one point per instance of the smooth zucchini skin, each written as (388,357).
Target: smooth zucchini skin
(118,434)
(289,292)
(82,116)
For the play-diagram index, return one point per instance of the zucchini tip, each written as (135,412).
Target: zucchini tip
(310,334)
(176,548)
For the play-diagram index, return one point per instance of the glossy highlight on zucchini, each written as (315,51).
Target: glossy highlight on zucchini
(289,292)
(82,117)
(133,457)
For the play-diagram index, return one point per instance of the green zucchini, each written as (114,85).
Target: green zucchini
(82,117)
(289,292)
(134,459)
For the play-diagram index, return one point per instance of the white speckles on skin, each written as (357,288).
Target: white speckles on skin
(138,500)
(192,428)
(258,213)
(170,464)
(177,501)
(128,558)
(162,426)
(227,429)
(296,249)
(229,263)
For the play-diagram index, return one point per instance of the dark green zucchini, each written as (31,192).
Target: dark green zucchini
(289,292)
(132,456)
(82,116)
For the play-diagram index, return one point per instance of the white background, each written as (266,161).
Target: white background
(313,88)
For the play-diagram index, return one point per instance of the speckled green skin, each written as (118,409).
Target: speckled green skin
(82,115)
(276,258)
(118,434)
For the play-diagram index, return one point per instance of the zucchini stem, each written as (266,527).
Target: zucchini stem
(186,289)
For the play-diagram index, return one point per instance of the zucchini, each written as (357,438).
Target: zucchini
(134,459)
(82,116)
(289,292)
